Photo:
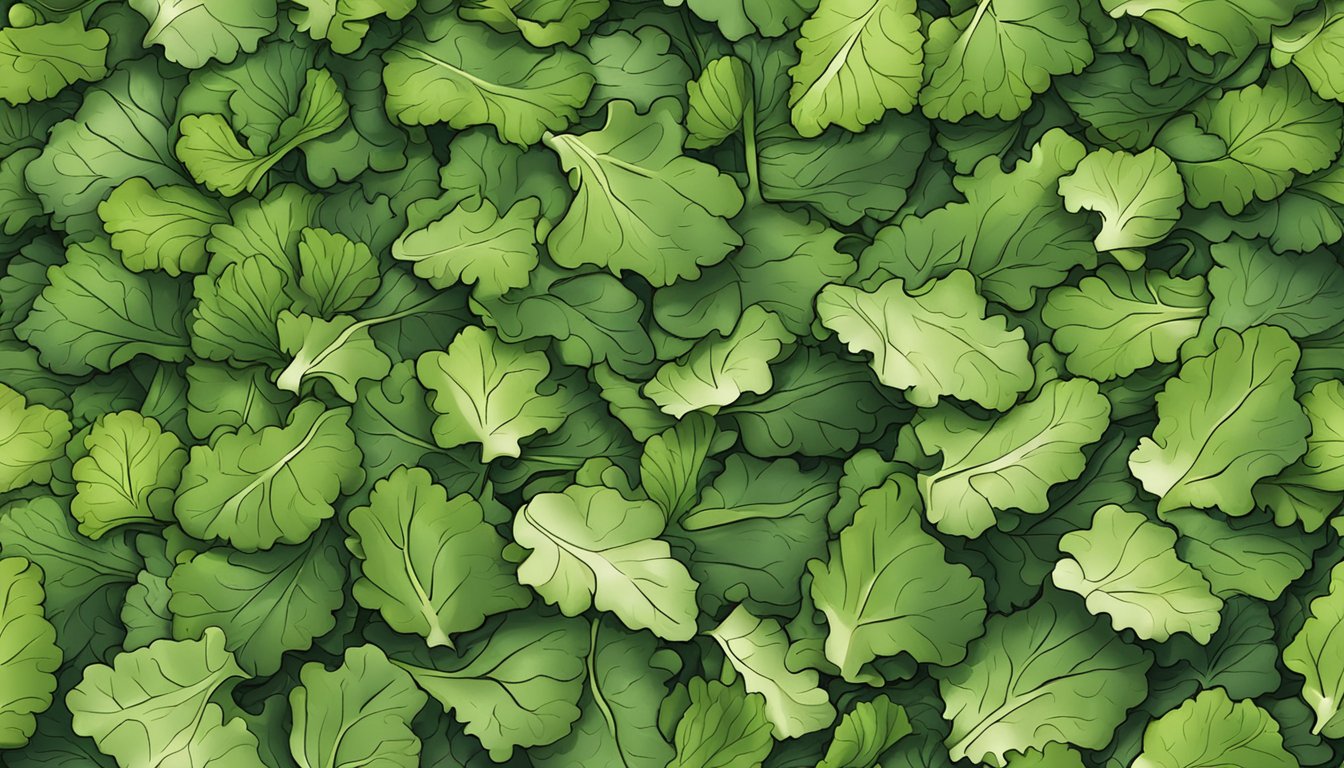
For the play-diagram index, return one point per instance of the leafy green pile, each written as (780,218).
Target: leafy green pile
(682,384)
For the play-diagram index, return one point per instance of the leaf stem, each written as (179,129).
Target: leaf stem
(753,160)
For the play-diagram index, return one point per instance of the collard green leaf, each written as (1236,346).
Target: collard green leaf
(1211,729)
(593,547)
(160,228)
(865,733)
(34,437)
(542,23)
(475,244)
(1306,491)
(1011,462)
(1252,285)
(259,487)
(42,59)
(933,342)
(129,474)
(344,23)
(1124,566)
(431,565)
(1115,322)
(721,368)
(886,588)
(631,210)
(1309,656)
(993,57)
(96,314)
(359,714)
(28,644)
(267,602)
(193,33)
(1233,27)
(1138,196)
(859,58)
(454,72)
(717,102)
(1212,443)
(1024,681)
(1244,555)
(339,350)
(485,391)
(158,706)
(672,462)
(794,703)
(722,728)
(515,686)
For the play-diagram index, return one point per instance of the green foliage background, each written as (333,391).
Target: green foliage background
(671,383)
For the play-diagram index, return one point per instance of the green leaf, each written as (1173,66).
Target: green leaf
(358,714)
(865,733)
(718,101)
(258,487)
(1241,658)
(993,57)
(753,532)
(1010,462)
(1124,566)
(158,706)
(1249,144)
(1212,443)
(1320,471)
(1234,26)
(1244,555)
(1252,285)
(431,565)
(1116,321)
(1212,730)
(859,58)
(1309,655)
(721,368)
(636,64)
(1026,680)
(338,274)
(122,130)
(820,405)
(453,72)
(33,437)
(738,18)
(542,23)
(486,391)
(933,342)
(633,208)
(344,23)
(338,350)
(129,474)
(85,580)
(1011,233)
(886,588)
(43,59)
(267,602)
(160,228)
(235,314)
(210,151)
(475,244)
(672,463)
(794,703)
(221,398)
(627,677)
(96,314)
(784,254)
(722,728)
(592,547)
(28,646)
(1138,196)
(514,686)
(193,33)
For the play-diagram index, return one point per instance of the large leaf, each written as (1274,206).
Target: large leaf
(995,55)
(1212,730)
(34,436)
(28,649)
(933,342)
(1234,26)
(192,33)
(1125,566)
(721,368)
(1010,462)
(633,209)
(158,707)
(886,588)
(1310,655)
(457,73)
(1212,443)
(859,58)
(593,547)
(1026,680)
(359,714)
(42,59)
(257,488)
(431,565)
(129,474)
